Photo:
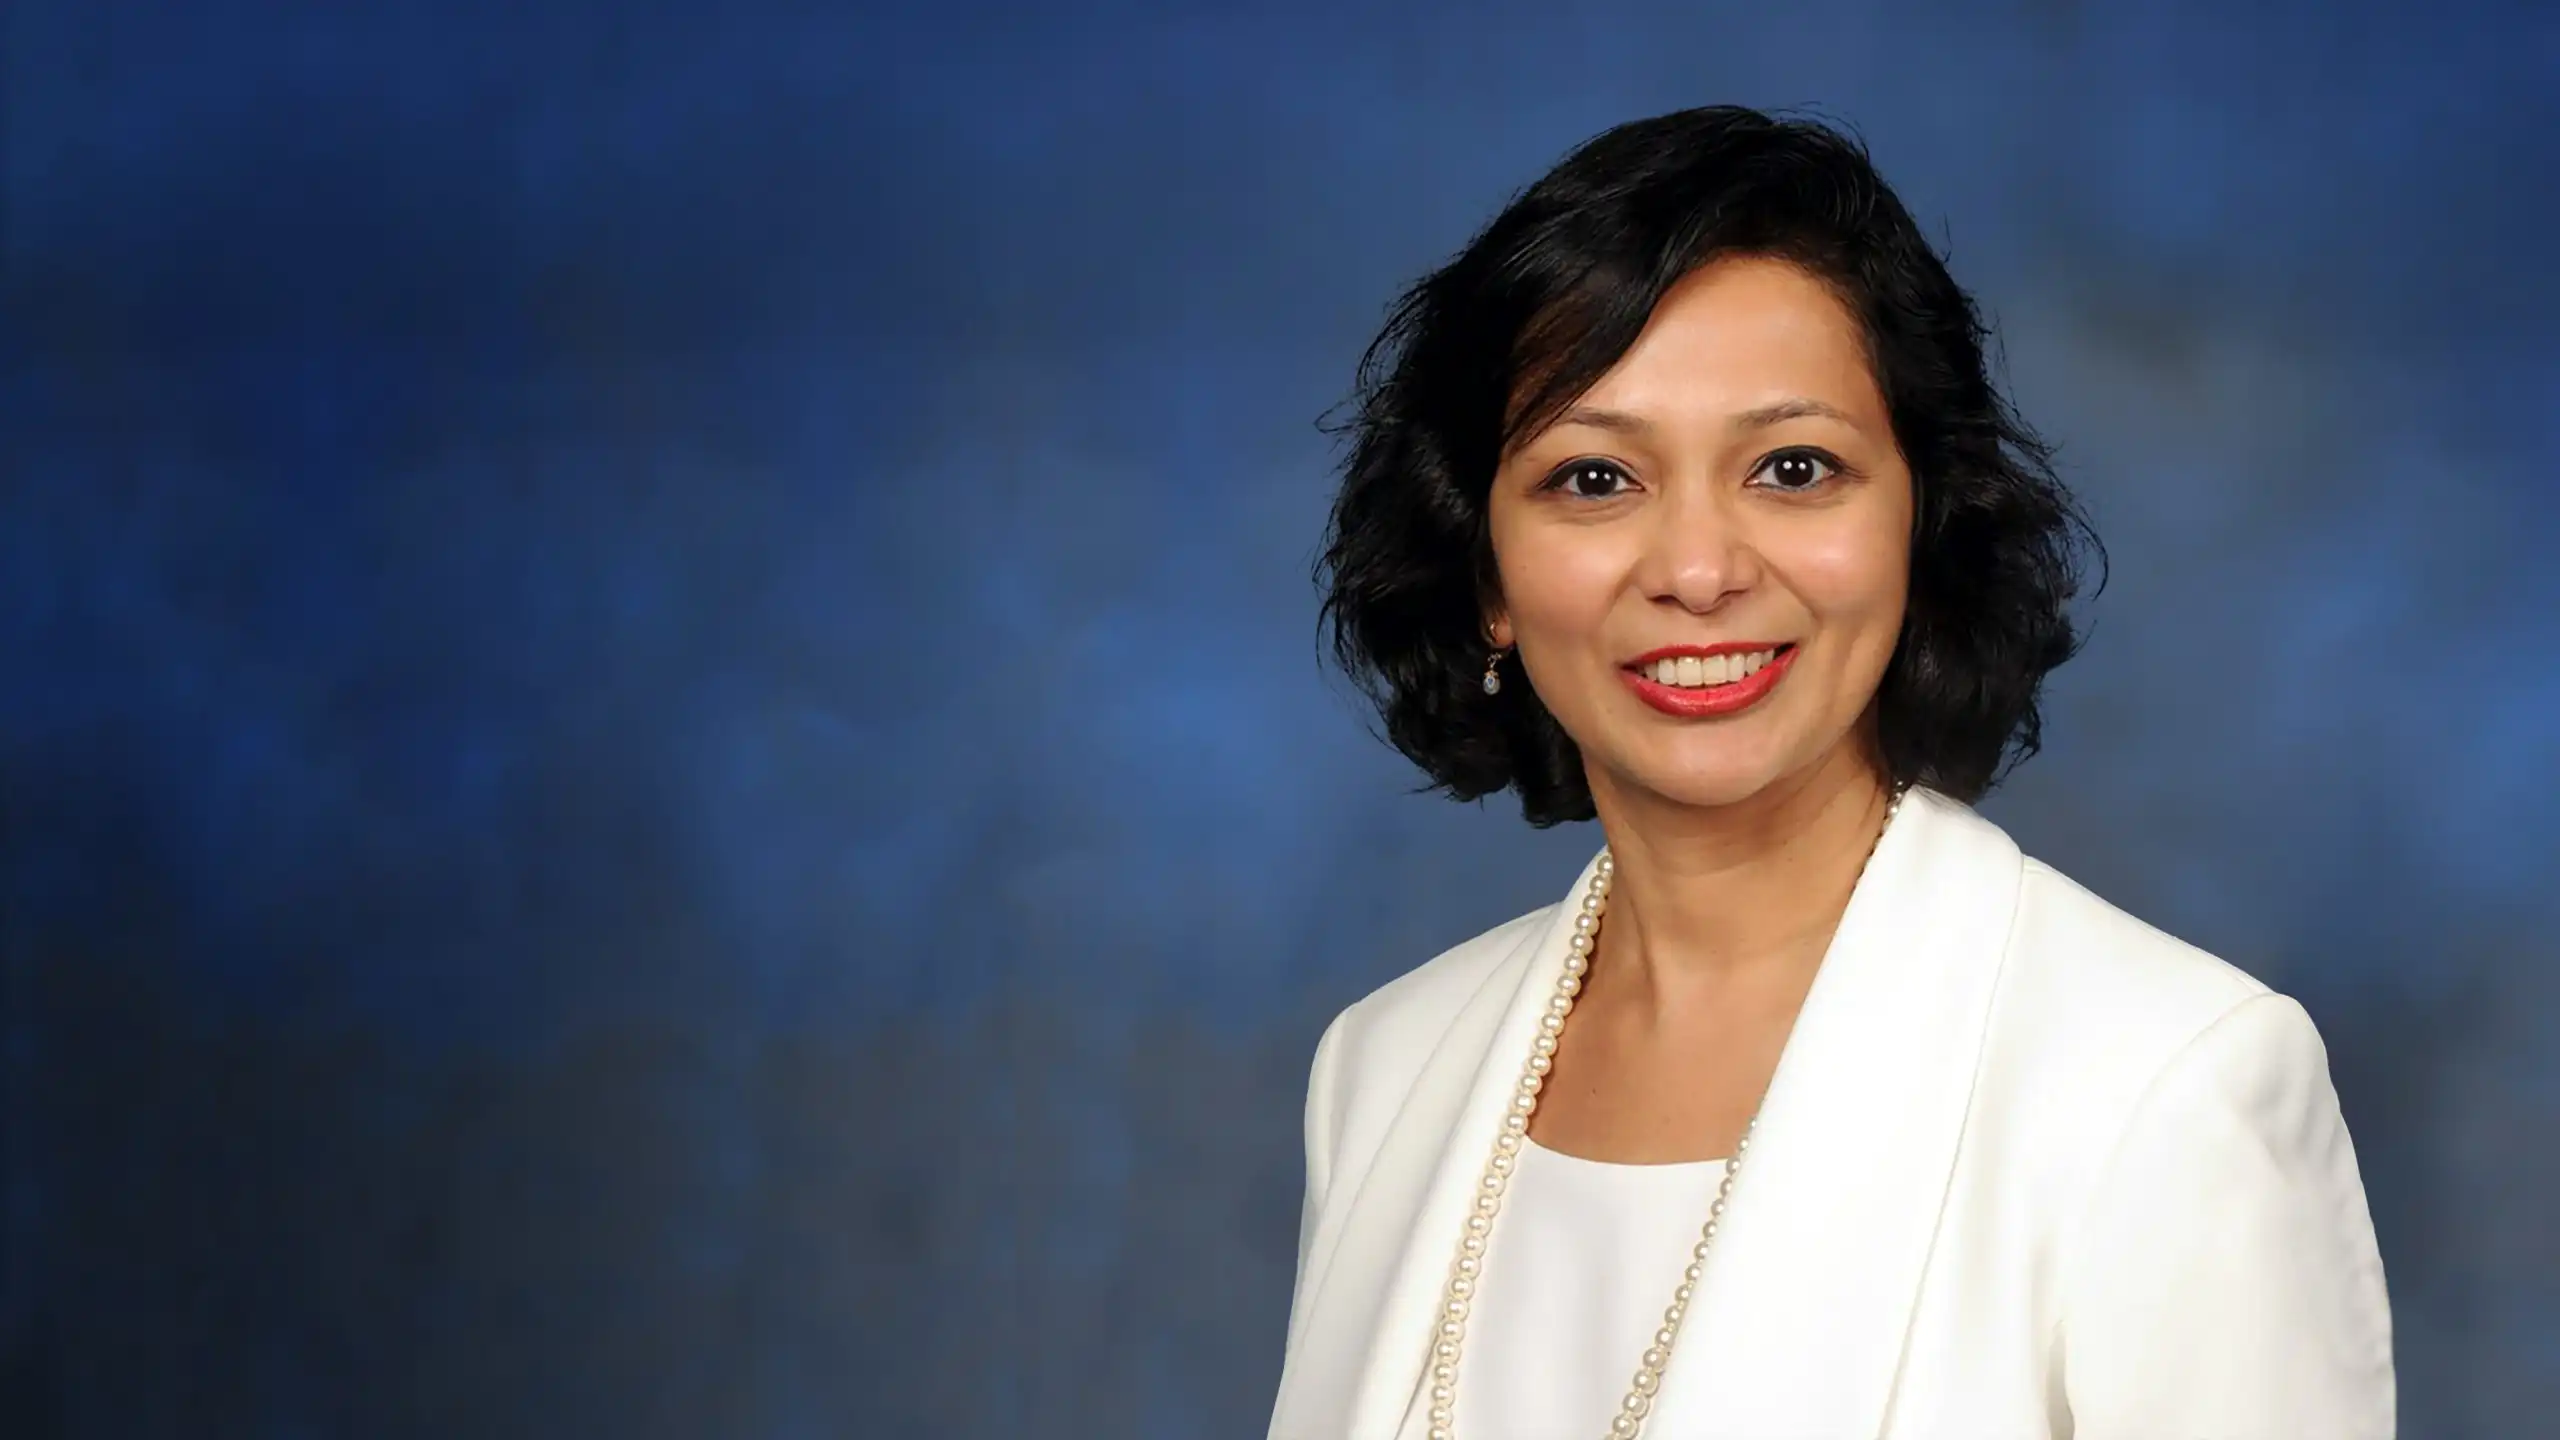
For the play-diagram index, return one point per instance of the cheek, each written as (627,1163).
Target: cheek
(1551,584)
(1855,578)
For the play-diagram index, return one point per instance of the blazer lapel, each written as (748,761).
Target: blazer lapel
(1798,1326)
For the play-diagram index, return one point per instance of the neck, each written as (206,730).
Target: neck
(1705,900)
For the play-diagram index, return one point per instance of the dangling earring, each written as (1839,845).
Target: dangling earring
(1493,673)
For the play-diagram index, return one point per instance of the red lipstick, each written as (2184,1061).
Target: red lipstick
(1695,702)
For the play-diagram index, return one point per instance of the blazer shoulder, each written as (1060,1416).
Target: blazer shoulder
(1422,1000)
(2093,1006)
(1378,1043)
(2094,963)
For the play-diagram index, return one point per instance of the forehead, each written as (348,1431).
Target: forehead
(1737,332)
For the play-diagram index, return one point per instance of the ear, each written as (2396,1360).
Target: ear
(1497,628)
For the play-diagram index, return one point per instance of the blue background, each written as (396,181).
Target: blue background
(666,769)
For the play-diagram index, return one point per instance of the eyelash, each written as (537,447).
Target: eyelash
(1567,471)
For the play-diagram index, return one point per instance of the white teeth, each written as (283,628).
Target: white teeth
(1695,672)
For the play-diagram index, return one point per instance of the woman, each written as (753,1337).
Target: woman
(1681,499)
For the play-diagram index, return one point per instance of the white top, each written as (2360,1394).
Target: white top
(1582,1261)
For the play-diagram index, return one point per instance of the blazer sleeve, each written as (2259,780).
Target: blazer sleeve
(1319,1140)
(2224,1283)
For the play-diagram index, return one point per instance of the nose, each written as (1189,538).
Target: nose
(1698,553)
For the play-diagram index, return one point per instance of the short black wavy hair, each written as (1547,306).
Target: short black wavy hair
(1486,350)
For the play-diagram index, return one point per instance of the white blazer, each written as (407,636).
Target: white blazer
(2027,1169)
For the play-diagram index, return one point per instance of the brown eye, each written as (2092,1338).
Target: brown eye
(1797,469)
(1588,479)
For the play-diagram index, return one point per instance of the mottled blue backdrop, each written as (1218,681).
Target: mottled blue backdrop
(663,768)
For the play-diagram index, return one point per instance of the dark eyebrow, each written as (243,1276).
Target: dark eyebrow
(1618,420)
(1795,408)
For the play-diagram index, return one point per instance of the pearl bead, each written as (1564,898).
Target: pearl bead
(1623,1428)
(1649,1378)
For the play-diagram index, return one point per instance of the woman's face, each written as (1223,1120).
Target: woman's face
(1731,491)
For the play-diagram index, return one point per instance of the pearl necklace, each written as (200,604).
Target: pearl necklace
(1449,1336)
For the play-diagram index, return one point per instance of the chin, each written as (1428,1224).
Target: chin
(1717,793)
(1730,781)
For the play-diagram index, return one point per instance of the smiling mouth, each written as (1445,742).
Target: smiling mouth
(1705,672)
